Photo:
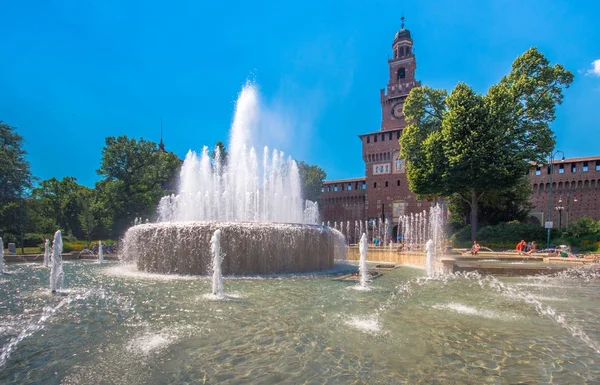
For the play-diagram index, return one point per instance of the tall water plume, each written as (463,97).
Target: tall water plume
(238,188)
(56,273)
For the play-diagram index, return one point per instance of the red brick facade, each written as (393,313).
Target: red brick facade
(575,190)
(385,193)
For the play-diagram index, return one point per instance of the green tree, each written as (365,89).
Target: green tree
(311,180)
(61,201)
(222,153)
(136,175)
(475,144)
(87,218)
(15,179)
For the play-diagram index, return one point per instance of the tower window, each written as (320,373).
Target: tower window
(386,183)
(397,134)
(390,136)
(382,137)
(375,138)
(407,50)
(585,166)
(368,138)
(401,73)
(398,182)
(374,184)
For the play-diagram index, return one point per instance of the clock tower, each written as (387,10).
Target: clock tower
(402,67)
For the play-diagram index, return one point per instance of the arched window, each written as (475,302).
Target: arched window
(401,73)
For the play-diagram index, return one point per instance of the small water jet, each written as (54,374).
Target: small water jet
(430,262)
(215,249)
(100,252)
(56,273)
(363,270)
(1,256)
(46,262)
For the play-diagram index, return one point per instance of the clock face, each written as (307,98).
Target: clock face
(397,111)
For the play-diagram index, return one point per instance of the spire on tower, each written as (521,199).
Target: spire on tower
(402,25)
(161,146)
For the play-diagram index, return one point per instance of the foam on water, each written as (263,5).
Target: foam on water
(219,297)
(150,343)
(472,311)
(359,287)
(129,270)
(365,324)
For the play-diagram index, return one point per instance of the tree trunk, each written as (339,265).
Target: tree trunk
(474,200)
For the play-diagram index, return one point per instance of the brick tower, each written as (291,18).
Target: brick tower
(387,194)
(401,80)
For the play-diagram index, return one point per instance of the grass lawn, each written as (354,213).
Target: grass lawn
(28,250)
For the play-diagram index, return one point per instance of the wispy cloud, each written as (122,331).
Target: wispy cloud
(595,71)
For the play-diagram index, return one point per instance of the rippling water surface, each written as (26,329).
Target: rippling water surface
(113,325)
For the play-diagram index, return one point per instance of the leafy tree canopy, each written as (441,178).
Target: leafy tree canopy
(311,179)
(466,142)
(136,175)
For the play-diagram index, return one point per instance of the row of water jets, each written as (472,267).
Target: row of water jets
(412,231)
(52,259)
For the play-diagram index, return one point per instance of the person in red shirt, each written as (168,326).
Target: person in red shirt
(520,246)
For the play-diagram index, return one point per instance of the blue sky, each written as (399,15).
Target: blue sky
(75,71)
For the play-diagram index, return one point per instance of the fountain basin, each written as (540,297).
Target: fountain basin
(247,247)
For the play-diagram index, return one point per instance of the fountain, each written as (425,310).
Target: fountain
(100,252)
(46,262)
(257,206)
(429,262)
(363,270)
(217,279)
(56,272)
(1,256)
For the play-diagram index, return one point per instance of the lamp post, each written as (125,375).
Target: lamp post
(551,169)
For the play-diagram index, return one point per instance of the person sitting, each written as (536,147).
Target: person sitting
(566,252)
(520,246)
(475,248)
(533,248)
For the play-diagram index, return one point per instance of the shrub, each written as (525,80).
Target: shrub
(584,226)
(510,233)
(462,238)
(504,235)
(35,239)
(73,246)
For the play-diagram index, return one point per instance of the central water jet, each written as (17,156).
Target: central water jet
(258,207)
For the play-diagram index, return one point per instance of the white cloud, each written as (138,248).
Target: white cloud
(595,68)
